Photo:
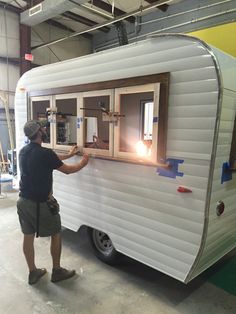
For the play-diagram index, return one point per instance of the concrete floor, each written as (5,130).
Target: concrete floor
(129,288)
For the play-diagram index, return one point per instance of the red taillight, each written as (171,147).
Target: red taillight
(220,207)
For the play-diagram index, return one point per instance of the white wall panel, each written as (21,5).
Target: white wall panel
(9,73)
(75,47)
(9,34)
(9,77)
(190,99)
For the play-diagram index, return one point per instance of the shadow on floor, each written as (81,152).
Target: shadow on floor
(155,282)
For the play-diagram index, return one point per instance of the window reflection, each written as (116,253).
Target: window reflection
(96,131)
(66,121)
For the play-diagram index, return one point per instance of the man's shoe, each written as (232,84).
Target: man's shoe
(35,275)
(59,274)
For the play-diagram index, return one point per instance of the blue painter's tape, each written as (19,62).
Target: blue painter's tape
(155,119)
(172,172)
(226,174)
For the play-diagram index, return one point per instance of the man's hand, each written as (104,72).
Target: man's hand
(73,151)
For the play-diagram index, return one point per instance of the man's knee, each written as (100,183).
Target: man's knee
(29,237)
(56,236)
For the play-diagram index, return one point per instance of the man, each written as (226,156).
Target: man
(37,209)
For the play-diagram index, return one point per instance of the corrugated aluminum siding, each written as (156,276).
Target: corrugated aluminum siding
(221,233)
(141,211)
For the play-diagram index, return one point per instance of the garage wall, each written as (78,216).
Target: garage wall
(9,70)
(9,48)
(10,53)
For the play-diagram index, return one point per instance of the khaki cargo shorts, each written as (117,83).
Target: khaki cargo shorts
(49,224)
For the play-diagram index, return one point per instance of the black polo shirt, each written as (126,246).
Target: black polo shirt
(36,166)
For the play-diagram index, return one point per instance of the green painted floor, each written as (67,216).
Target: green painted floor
(223,276)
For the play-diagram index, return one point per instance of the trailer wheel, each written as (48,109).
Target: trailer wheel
(102,246)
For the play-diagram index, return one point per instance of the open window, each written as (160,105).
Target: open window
(40,107)
(96,131)
(66,120)
(136,130)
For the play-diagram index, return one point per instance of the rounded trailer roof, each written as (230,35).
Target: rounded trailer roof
(156,54)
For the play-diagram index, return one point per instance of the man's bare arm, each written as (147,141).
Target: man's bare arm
(67,169)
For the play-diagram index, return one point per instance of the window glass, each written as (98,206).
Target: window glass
(136,125)
(39,113)
(66,121)
(96,131)
(147,120)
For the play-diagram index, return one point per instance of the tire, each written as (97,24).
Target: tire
(102,246)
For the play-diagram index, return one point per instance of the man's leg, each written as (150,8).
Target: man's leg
(58,273)
(56,250)
(28,249)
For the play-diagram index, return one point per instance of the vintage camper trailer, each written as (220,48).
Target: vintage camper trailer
(158,119)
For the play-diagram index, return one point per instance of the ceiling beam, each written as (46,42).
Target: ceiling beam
(83,20)
(9,7)
(13,61)
(107,23)
(162,7)
(32,3)
(48,9)
(108,8)
(66,28)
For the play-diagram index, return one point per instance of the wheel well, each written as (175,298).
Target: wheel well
(82,227)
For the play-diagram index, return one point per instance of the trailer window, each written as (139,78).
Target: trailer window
(66,121)
(135,129)
(137,126)
(127,122)
(96,131)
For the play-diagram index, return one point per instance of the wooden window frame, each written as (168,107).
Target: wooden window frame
(162,78)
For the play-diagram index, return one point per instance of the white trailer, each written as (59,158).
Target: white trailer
(157,118)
